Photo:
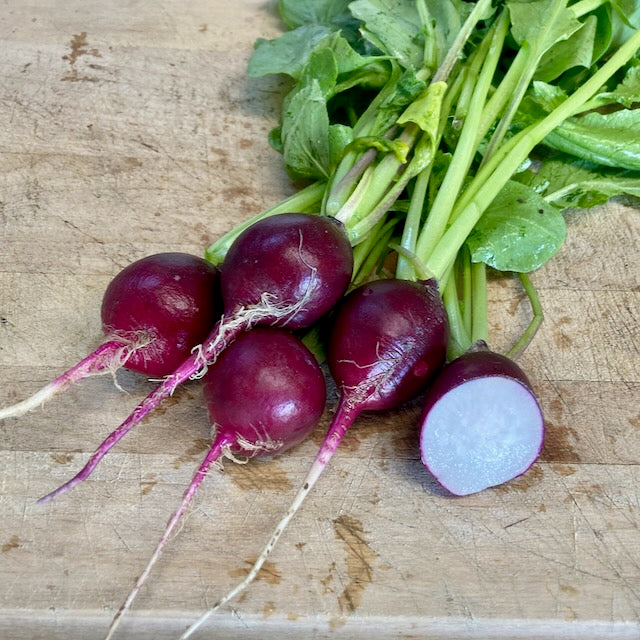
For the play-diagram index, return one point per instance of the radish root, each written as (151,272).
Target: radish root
(107,358)
(210,459)
(225,331)
(342,419)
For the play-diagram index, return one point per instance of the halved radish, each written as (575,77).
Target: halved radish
(481,423)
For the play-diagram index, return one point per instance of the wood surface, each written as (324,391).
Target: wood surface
(130,127)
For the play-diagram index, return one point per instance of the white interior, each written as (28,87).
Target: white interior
(482,433)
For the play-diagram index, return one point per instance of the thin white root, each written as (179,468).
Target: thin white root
(265,445)
(107,358)
(30,403)
(312,477)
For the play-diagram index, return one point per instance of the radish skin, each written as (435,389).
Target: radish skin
(388,340)
(265,394)
(286,270)
(153,313)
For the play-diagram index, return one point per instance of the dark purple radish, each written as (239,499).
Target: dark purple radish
(153,313)
(287,270)
(389,338)
(265,394)
(481,423)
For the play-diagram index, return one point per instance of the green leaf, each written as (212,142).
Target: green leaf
(383,144)
(441,21)
(541,24)
(575,51)
(548,96)
(288,53)
(628,11)
(340,136)
(407,88)
(571,183)
(611,139)
(347,57)
(425,111)
(627,92)
(625,20)
(414,33)
(394,27)
(322,68)
(305,132)
(296,13)
(519,232)
(604,31)
(275,139)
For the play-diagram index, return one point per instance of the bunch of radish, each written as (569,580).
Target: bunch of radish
(378,252)
(264,389)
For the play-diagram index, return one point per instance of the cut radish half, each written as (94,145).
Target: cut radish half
(481,424)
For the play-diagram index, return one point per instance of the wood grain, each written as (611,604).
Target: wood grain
(131,127)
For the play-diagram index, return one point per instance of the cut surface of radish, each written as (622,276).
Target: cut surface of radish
(481,433)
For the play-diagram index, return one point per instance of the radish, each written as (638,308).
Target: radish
(153,313)
(265,394)
(388,339)
(481,423)
(286,270)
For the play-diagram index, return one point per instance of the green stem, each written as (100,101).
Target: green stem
(532,57)
(358,230)
(561,193)
(467,144)
(306,200)
(526,69)
(347,211)
(340,189)
(480,314)
(500,97)
(405,269)
(464,258)
(480,9)
(412,258)
(525,339)
(377,253)
(483,192)
(583,7)
(382,176)
(470,73)
(459,340)
(364,248)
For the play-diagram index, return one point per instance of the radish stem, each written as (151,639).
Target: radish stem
(538,316)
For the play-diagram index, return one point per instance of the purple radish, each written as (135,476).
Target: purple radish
(153,313)
(481,423)
(286,270)
(265,394)
(389,338)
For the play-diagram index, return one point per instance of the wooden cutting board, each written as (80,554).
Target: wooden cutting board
(130,128)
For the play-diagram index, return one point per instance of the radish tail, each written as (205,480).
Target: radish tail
(193,367)
(342,420)
(212,455)
(107,358)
